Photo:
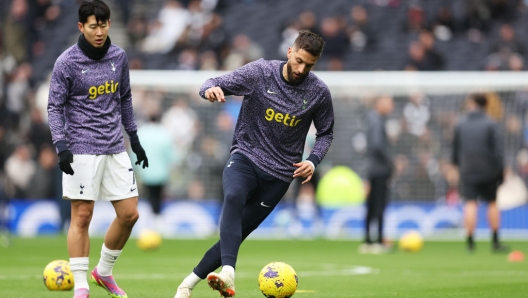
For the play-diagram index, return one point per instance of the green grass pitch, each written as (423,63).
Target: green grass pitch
(325,269)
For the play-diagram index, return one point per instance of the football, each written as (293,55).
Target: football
(411,241)
(278,280)
(58,276)
(149,240)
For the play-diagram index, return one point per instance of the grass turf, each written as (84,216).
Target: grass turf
(325,269)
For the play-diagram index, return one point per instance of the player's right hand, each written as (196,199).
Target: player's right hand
(65,160)
(215,94)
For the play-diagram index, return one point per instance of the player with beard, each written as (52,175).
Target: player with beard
(281,99)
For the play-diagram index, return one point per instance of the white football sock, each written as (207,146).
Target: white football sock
(192,280)
(229,270)
(79,268)
(107,261)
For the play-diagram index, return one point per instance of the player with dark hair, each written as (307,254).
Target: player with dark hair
(281,99)
(478,153)
(89,99)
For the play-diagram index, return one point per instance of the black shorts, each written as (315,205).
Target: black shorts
(479,191)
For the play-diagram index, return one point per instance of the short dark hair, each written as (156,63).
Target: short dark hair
(310,42)
(96,8)
(480,99)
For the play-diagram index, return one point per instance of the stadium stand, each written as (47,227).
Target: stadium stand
(224,34)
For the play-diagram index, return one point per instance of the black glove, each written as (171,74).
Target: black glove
(65,160)
(140,154)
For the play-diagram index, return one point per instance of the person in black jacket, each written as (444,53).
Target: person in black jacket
(479,155)
(379,170)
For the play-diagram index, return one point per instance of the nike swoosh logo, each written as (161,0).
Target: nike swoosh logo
(262,204)
(85,70)
(271,92)
(132,189)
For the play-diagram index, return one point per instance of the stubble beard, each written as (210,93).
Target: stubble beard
(291,79)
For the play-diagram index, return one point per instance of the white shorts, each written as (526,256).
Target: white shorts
(100,178)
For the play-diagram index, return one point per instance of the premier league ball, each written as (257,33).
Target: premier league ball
(278,280)
(411,241)
(149,240)
(58,276)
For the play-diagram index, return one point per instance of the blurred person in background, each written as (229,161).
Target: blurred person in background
(163,157)
(379,171)
(281,99)
(360,32)
(479,155)
(15,31)
(89,100)
(19,168)
(42,181)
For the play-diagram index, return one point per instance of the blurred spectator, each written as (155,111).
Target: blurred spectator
(334,35)
(418,59)
(17,88)
(15,31)
(198,18)
(516,63)
(208,166)
(416,113)
(288,35)
(359,31)
(19,168)
(244,50)
(494,106)
(444,26)
(137,30)
(308,21)
(5,148)
(422,187)
(214,36)
(39,132)
(181,123)
(166,30)
(477,19)
(335,64)
(427,40)
(416,18)
(163,157)
(188,59)
(504,10)
(451,176)
(507,43)
(43,181)
(208,61)
(225,126)
(400,178)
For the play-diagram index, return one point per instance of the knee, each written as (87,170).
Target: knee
(232,197)
(130,218)
(82,220)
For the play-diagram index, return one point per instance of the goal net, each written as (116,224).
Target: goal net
(427,106)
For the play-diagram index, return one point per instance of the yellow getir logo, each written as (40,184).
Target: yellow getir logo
(281,118)
(106,88)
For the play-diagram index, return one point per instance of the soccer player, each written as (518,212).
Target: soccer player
(281,99)
(379,170)
(478,153)
(89,99)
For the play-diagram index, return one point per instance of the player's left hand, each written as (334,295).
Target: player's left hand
(305,169)
(140,154)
